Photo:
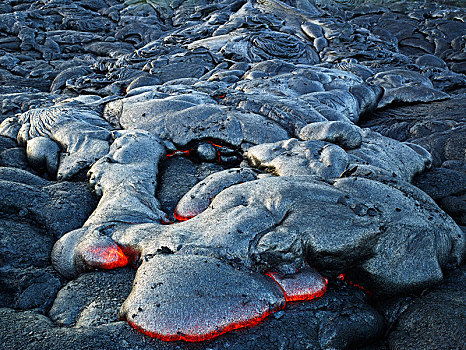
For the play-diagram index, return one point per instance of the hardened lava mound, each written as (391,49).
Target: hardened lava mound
(195,298)
(212,174)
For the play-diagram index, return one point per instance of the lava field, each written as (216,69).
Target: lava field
(232,174)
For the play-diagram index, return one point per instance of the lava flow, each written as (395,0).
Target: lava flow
(192,151)
(199,337)
(186,153)
(106,257)
(300,286)
(180,217)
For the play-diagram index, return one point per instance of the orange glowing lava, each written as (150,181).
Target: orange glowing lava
(179,152)
(181,217)
(207,336)
(109,257)
(300,286)
(214,144)
(188,153)
(165,222)
(303,285)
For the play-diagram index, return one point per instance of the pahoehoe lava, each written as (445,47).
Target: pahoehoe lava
(242,174)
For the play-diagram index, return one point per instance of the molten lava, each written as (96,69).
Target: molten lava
(107,257)
(165,222)
(179,152)
(191,151)
(206,336)
(303,285)
(180,217)
(206,324)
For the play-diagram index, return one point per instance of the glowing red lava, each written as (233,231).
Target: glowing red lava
(180,217)
(188,153)
(303,285)
(165,222)
(179,152)
(206,336)
(107,257)
(342,277)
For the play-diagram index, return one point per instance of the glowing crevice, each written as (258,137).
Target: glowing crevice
(185,153)
(342,277)
(189,152)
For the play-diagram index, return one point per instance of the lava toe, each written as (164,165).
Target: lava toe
(195,298)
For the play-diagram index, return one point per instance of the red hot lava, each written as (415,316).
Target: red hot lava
(300,286)
(303,285)
(180,217)
(107,257)
(206,336)
(179,152)
(189,152)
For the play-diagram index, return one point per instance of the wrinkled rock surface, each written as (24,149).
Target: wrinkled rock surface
(232,147)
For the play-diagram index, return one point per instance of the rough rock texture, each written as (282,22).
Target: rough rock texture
(57,207)
(436,319)
(92,299)
(438,127)
(177,175)
(375,153)
(198,198)
(282,133)
(340,319)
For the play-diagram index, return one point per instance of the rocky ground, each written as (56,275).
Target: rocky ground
(208,174)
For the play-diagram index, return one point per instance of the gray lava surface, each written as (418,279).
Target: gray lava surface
(232,174)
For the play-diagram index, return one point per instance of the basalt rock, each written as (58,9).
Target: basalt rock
(402,86)
(321,323)
(343,134)
(43,154)
(197,199)
(27,280)
(156,101)
(437,127)
(59,207)
(194,116)
(280,215)
(177,175)
(374,154)
(94,294)
(82,134)
(195,298)
(434,320)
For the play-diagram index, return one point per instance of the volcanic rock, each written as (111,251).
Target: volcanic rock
(435,320)
(165,103)
(195,298)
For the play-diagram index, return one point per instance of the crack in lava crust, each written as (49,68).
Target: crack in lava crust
(342,277)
